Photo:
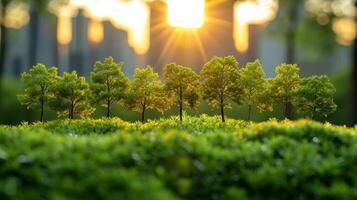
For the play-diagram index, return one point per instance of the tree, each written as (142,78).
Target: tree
(315,96)
(71,96)
(285,85)
(252,82)
(265,99)
(183,84)
(38,82)
(108,83)
(221,82)
(146,92)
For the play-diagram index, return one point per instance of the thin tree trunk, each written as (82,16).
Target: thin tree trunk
(286,109)
(108,107)
(143,112)
(249,111)
(72,111)
(42,105)
(222,109)
(354,82)
(290,37)
(181,103)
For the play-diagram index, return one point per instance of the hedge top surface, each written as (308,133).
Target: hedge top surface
(201,158)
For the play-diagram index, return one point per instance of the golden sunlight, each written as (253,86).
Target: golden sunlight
(186,13)
(134,17)
(95,31)
(64,26)
(17,15)
(345,29)
(251,12)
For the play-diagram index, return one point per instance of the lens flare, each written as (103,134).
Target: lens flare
(186,13)
(64,24)
(95,31)
(251,12)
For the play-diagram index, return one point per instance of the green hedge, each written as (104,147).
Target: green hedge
(198,159)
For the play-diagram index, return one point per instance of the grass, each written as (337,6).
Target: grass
(200,158)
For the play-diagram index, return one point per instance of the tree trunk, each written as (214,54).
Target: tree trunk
(290,37)
(354,82)
(42,105)
(222,109)
(108,107)
(249,112)
(143,112)
(181,103)
(287,108)
(71,113)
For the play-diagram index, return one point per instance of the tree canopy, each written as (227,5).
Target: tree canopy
(252,82)
(37,84)
(71,96)
(221,82)
(183,84)
(146,92)
(285,85)
(108,83)
(315,96)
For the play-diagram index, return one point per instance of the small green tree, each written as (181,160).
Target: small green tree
(221,82)
(252,81)
(315,96)
(71,96)
(108,83)
(285,86)
(37,83)
(146,92)
(183,84)
(265,99)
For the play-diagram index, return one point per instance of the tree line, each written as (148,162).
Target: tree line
(221,83)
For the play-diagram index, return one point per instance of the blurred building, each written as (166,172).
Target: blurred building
(167,45)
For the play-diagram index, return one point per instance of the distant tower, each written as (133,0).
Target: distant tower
(79,43)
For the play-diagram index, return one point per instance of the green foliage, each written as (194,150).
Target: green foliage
(147,92)
(37,84)
(266,96)
(108,83)
(286,85)
(316,96)
(183,84)
(200,158)
(253,83)
(71,96)
(221,82)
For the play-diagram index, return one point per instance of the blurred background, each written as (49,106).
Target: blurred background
(319,35)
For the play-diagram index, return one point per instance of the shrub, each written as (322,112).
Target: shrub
(201,158)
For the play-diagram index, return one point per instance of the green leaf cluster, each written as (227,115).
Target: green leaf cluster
(183,84)
(200,158)
(221,82)
(70,96)
(38,82)
(315,96)
(108,83)
(147,92)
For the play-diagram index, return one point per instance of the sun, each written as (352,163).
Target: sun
(186,13)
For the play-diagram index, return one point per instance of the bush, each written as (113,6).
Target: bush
(201,158)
